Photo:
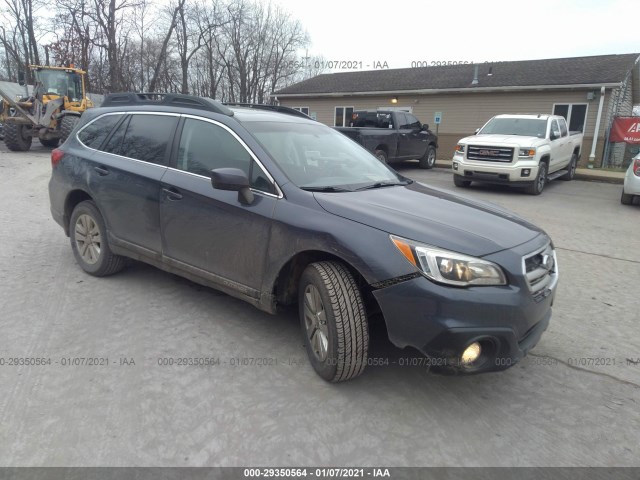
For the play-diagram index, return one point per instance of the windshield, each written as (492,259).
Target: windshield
(525,127)
(317,157)
(59,82)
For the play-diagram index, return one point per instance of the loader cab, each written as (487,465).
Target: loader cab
(63,82)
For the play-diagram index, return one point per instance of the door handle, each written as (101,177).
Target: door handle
(102,171)
(404,135)
(172,193)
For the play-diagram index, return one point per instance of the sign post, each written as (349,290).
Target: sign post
(437,118)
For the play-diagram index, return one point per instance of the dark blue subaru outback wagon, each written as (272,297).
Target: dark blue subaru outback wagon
(274,208)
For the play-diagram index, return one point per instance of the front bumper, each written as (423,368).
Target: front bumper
(441,321)
(492,172)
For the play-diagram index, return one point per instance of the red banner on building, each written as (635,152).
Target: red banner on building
(625,129)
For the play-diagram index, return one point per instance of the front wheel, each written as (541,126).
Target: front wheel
(428,160)
(381,155)
(50,143)
(334,321)
(67,124)
(88,235)
(540,181)
(459,182)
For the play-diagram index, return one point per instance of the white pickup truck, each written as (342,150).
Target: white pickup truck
(519,150)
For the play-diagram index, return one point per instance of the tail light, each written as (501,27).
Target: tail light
(636,167)
(56,156)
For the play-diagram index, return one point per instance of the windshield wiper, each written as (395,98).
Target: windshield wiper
(384,184)
(326,188)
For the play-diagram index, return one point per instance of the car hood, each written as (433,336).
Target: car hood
(490,140)
(432,216)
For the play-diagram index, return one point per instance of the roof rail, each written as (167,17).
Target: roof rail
(274,108)
(168,99)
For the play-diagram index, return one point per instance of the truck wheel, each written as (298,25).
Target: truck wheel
(459,182)
(540,181)
(381,155)
(88,235)
(51,143)
(334,321)
(16,137)
(67,124)
(626,199)
(571,170)
(428,160)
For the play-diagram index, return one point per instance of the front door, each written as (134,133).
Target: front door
(211,232)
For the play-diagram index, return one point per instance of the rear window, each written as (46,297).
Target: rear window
(95,133)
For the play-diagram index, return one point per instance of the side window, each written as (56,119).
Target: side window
(401,119)
(563,127)
(205,146)
(97,131)
(555,131)
(148,137)
(413,122)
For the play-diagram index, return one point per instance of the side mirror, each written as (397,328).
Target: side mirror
(554,135)
(425,127)
(232,179)
(476,132)
(21,78)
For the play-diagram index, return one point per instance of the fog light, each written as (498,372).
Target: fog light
(525,172)
(455,165)
(471,353)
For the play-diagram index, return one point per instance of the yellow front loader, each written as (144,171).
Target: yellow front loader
(49,113)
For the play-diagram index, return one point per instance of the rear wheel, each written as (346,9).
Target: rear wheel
(68,123)
(88,235)
(540,181)
(459,182)
(571,169)
(381,155)
(51,142)
(16,137)
(626,199)
(334,321)
(428,160)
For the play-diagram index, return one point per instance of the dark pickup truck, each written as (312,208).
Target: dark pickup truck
(393,136)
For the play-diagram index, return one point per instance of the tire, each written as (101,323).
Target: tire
(67,124)
(626,199)
(540,181)
(459,182)
(381,155)
(15,137)
(428,160)
(50,143)
(94,257)
(337,348)
(572,169)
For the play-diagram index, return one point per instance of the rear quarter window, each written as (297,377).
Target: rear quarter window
(95,133)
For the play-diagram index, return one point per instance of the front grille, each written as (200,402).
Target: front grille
(541,271)
(490,154)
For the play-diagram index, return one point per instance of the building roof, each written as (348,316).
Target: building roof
(563,72)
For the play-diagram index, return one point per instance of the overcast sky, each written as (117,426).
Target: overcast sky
(400,32)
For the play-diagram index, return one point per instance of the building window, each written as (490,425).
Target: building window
(343,116)
(304,110)
(574,113)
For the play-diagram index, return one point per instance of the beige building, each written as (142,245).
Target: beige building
(588,91)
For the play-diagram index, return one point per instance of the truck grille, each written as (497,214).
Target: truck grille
(490,154)
(541,271)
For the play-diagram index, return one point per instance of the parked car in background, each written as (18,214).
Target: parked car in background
(631,187)
(393,136)
(277,209)
(519,150)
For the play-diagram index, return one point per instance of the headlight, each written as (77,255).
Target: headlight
(527,152)
(459,148)
(452,268)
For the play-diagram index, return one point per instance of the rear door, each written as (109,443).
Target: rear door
(125,178)
(209,232)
